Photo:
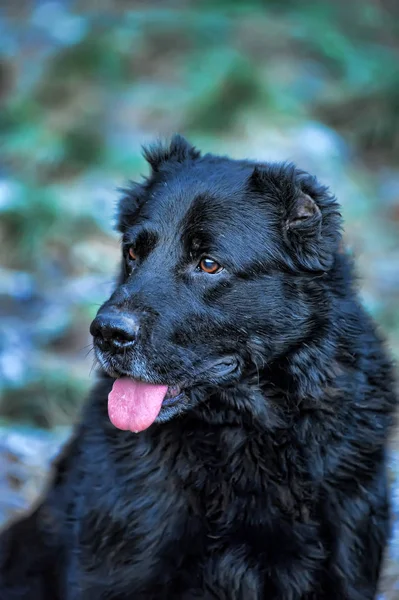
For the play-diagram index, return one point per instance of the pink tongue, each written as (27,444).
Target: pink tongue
(133,405)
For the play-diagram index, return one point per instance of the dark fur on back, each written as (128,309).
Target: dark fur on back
(266,481)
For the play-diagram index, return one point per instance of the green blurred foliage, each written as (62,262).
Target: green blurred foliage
(84,84)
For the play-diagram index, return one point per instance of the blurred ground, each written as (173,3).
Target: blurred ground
(83,84)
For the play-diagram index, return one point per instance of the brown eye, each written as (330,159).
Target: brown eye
(208,265)
(132,254)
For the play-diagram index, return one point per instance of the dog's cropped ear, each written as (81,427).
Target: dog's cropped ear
(179,150)
(310,217)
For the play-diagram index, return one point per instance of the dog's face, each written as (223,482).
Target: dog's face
(222,272)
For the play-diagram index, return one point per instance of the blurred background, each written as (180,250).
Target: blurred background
(83,84)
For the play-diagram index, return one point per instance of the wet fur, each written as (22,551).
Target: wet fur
(270,484)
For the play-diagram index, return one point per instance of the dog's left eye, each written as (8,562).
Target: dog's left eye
(208,265)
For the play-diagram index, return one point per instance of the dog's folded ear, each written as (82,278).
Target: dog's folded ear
(304,216)
(303,230)
(309,214)
(179,150)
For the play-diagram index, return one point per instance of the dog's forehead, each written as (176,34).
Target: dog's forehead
(211,196)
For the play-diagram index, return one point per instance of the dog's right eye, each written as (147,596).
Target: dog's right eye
(132,254)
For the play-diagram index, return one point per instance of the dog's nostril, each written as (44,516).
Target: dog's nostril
(115,329)
(120,339)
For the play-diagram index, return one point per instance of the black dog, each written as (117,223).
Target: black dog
(235,344)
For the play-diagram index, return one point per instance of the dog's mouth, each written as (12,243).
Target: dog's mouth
(134,405)
(173,395)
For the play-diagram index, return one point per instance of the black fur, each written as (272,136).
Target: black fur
(267,480)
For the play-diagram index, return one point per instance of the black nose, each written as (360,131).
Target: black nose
(113,329)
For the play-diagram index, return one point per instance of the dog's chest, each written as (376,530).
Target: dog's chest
(214,499)
(249,494)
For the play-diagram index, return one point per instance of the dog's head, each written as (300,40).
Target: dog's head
(224,271)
